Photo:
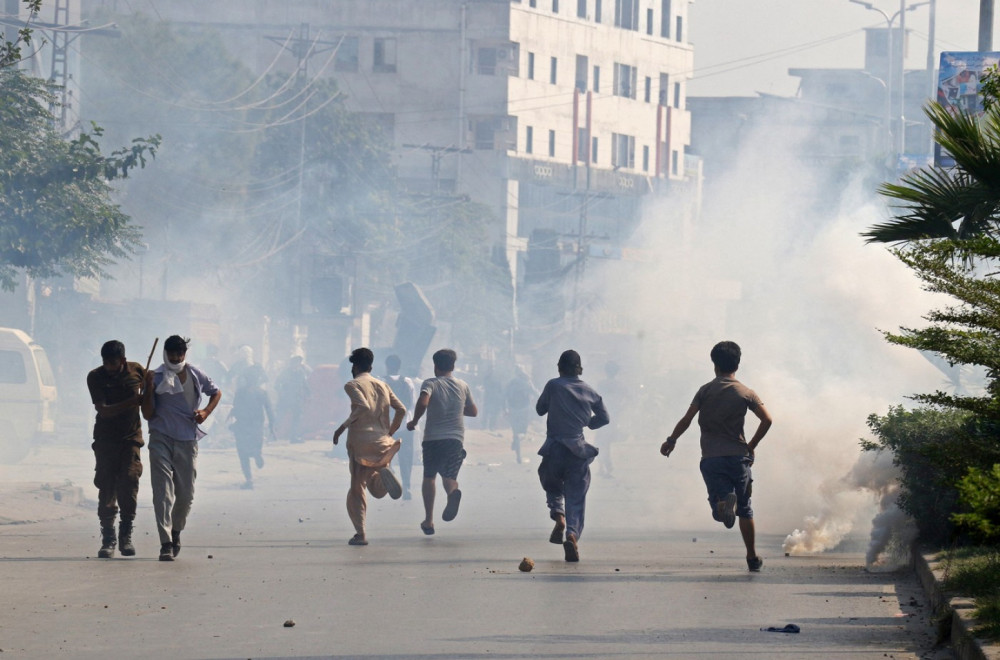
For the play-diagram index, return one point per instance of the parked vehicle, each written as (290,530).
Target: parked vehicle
(27,395)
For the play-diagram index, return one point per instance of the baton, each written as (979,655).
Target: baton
(151,351)
(150,358)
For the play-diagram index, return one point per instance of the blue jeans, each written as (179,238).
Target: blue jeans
(728,474)
(566,480)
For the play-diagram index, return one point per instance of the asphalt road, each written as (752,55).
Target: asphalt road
(253,560)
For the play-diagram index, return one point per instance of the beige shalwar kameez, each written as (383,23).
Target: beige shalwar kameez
(369,445)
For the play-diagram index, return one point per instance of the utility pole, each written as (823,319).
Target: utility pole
(302,47)
(985,26)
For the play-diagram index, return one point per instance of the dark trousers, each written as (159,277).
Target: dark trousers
(116,475)
(566,480)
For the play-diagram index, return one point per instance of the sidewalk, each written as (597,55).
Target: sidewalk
(954,610)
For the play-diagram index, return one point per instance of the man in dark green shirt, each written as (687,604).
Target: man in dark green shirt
(116,391)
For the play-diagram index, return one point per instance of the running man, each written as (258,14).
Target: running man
(726,456)
(446,400)
(571,406)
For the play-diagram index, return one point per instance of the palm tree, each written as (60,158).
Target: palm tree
(958,204)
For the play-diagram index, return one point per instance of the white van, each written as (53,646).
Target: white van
(27,395)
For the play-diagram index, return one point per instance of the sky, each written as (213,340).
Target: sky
(743,47)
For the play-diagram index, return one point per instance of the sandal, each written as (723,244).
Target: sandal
(428,530)
(451,510)
(357,539)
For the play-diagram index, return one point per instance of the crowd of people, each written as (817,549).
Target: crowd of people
(177,397)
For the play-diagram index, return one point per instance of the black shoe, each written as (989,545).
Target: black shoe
(755,564)
(108,541)
(125,539)
(176,545)
(166,552)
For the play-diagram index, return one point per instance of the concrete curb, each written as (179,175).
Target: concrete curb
(954,612)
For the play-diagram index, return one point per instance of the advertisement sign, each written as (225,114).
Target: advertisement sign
(959,81)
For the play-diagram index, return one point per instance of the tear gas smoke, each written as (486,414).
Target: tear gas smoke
(776,264)
(872,480)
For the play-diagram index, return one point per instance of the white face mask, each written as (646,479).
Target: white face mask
(170,366)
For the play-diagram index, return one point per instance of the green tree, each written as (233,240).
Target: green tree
(56,214)
(10,51)
(959,203)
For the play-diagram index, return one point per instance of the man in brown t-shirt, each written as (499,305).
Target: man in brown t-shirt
(726,456)
(115,389)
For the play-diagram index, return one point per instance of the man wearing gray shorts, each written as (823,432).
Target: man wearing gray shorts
(446,400)
(726,456)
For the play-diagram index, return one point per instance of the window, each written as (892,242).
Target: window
(494,132)
(552,144)
(674,162)
(593,150)
(625,80)
(677,95)
(581,8)
(347,55)
(553,68)
(645,158)
(385,56)
(485,134)
(581,144)
(555,6)
(582,65)
(12,368)
(531,66)
(665,19)
(497,60)
(664,89)
(679,31)
(648,94)
(532,3)
(529,139)
(649,21)
(627,14)
(486,61)
(597,11)
(597,79)
(622,151)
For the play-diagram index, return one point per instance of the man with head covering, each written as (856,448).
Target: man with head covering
(370,446)
(571,406)
(116,391)
(173,409)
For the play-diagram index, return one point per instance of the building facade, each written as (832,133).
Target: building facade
(559,115)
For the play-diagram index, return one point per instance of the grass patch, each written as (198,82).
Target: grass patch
(975,573)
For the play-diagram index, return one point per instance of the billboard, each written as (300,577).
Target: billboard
(959,80)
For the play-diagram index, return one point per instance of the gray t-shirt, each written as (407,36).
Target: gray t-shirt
(722,407)
(446,408)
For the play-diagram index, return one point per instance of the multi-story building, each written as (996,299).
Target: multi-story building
(559,115)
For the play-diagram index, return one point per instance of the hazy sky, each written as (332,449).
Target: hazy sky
(744,47)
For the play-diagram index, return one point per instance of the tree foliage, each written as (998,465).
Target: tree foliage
(934,449)
(957,203)
(56,214)
(10,51)
(949,220)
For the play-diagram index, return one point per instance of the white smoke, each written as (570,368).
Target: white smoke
(873,478)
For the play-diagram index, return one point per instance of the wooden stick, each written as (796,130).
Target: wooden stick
(151,351)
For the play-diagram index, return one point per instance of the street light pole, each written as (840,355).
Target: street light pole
(894,72)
